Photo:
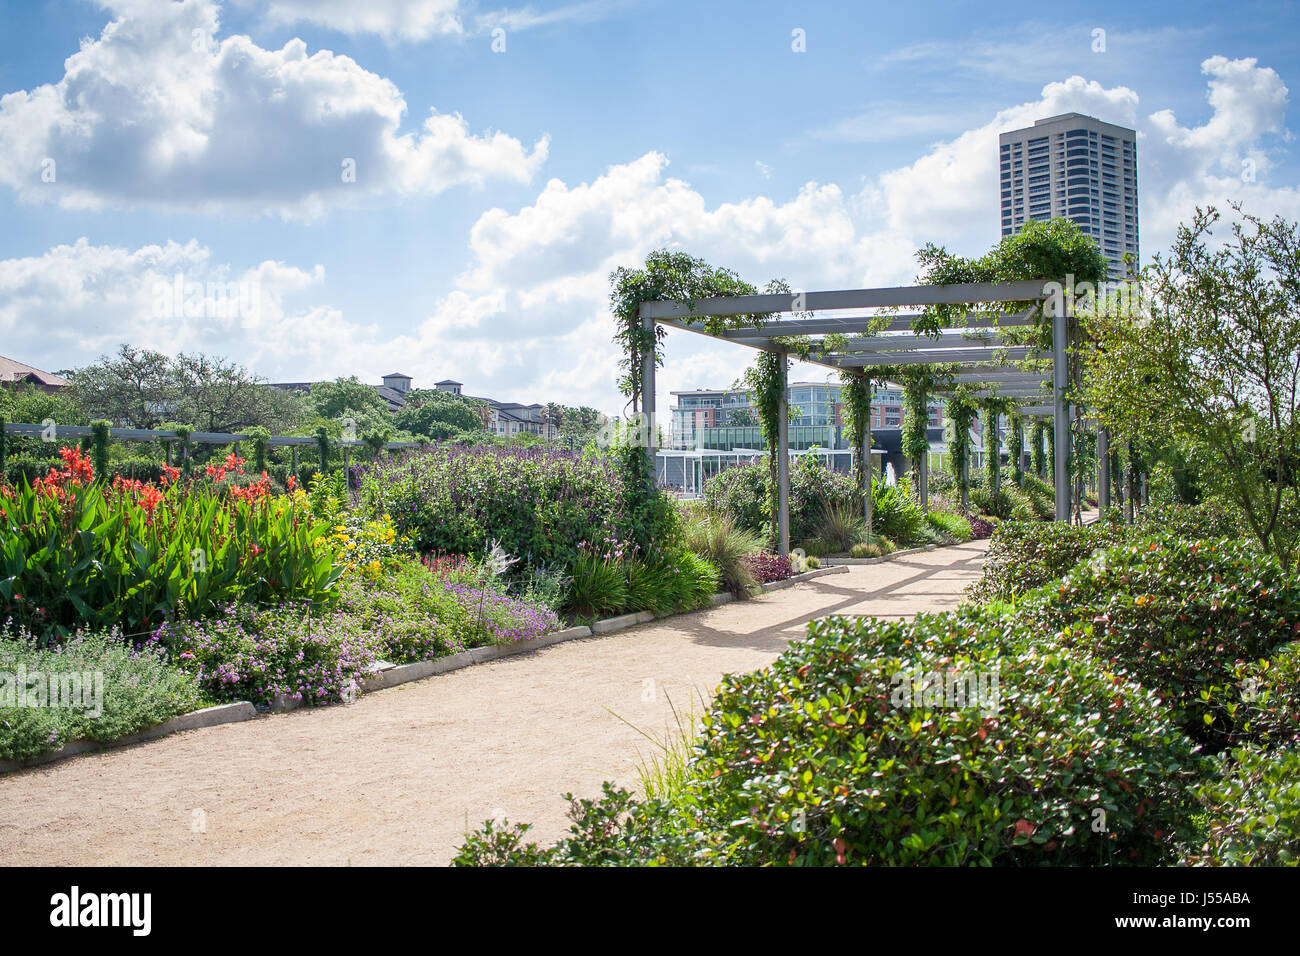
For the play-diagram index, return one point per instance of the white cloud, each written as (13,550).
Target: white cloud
(528,318)
(418,20)
(159,112)
(393,19)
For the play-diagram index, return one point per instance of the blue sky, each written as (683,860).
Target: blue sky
(209,140)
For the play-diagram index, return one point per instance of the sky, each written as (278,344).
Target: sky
(318,188)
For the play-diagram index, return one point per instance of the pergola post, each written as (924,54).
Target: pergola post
(783,458)
(1103,469)
(965,470)
(648,395)
(1060,416)
(868,504)
(295,462)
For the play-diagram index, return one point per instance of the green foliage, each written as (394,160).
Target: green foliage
(719,540)
(541,506)
(953,526)
(1023,556)
(438,415)
(741,494)
(346,396)
(139,690)
(259,436)
(1253,811)
(1208,520)
(1038,457)
(665,275)
(1213,379)
(99,438)
(205,392)
(828,757)
(603,586)
(895,514)
(1176,616)
(92,556)
(1261,704)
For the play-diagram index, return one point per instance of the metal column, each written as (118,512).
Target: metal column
(868,504)
(647,423)
(783,459)
(1060,417)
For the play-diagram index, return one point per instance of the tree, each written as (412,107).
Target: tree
(438,415)
(741,418)
(1211,366)
(136,387)
(141,388)
(31,405)
(346,397)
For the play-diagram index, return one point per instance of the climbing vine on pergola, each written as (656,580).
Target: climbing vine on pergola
(968,333)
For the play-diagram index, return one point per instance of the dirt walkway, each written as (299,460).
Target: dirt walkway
(396,777)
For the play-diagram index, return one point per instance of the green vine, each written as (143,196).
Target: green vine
(666,276)
(99,446)
(259,436)
(1038,459)
(764,381)
(960,410)
(323,446)
(992,408)
(1016,446)
(855,393)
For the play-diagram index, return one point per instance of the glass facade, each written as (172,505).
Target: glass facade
(725,420)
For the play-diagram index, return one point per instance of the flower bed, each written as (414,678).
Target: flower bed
(74,553)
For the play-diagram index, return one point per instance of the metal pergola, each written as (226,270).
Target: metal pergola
(975,342)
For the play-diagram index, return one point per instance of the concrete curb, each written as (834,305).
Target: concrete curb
(207,717)
(405,673)
(389,675)
(806,576)
(846,562)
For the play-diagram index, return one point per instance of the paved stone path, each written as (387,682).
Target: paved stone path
(399,776)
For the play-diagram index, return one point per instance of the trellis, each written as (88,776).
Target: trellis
(974,342)
(166,436)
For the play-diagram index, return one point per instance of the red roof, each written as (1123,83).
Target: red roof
(11,371)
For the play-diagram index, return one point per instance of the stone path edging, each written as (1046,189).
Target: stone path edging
(390,676)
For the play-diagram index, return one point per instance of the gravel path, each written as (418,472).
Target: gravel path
(399,776)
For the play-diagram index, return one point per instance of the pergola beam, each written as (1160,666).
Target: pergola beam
(956,294)
(854,325)
(930,357)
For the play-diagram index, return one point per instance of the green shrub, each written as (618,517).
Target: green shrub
(1261,704)
(1024,555)
(839,527)
(895,515)
(822,759)
(934,783)
(726,545)
(877,546)
(952,526)
(741,494)
(1200,522)
(1177,616)
(1252,811)
(139,690)
(598,587)
(541,506)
